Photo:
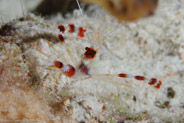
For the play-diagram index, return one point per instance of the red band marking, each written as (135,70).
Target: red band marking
(90,53)
(70,72)
(61,38)
(61,28)
(158,85)
(81,32)
(58,64)
(89,108)
(123,75)
(4,40)
(152,81)
(140,78)
(71,28)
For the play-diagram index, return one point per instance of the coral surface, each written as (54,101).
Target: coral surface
(152,47)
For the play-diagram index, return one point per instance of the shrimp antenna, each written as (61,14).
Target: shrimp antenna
(80,9)
(22,7)
(28,51)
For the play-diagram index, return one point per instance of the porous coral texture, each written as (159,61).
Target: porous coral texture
(151,47)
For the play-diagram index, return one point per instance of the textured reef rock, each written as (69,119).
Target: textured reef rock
(152,47)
